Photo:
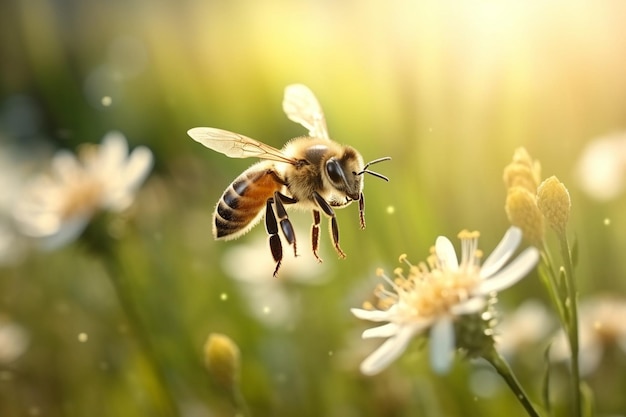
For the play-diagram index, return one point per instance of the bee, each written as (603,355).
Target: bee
(309,172)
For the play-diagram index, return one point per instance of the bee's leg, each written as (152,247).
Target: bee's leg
(285,223)
(334,229)
(362,211)
(315,234)
(272,229)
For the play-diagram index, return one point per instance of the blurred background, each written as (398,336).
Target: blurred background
(447,89)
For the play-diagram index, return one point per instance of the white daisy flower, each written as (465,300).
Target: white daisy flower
(57,207)
(433,296)
(601,169)
(269,299)
(524,328)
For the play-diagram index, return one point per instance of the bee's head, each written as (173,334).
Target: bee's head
(340,171)
(345,172)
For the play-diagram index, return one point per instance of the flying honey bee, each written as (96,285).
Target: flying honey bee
(309,172)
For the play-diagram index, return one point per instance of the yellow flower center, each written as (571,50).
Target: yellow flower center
(82,196)
(431,289)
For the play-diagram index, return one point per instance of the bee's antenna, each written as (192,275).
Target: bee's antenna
(376,174)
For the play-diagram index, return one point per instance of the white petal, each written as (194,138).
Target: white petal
(386,330)
(502,252)
(138,167)
(37,224)
(372,315)
(118,201)
(473,305)
(65,166)
(122,186)
(69,231)
(590,361)
(446,254)
(112,154)
(388,351)
(442,345)
(513,272)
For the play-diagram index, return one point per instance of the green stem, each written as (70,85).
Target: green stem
(240,403)
(503,368)
(572,324)
(551,281)
(132,315)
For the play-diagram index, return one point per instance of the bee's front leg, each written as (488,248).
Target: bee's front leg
(362,211)
(334,229)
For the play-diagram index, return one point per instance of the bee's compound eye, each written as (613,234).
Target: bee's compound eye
(334,171)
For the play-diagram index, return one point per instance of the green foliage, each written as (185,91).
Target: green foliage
(448,91)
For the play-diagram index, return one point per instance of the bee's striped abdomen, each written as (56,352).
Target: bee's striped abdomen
(242,203)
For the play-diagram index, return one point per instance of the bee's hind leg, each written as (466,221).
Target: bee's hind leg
(271,225)
(272,229)
(285,223)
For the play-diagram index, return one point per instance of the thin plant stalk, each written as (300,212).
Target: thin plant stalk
(563,292)
(571,305)
(147,348)
(240,403)
(505,371)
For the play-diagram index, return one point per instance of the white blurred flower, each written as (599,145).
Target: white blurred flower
(57,207)
(13,341)
(432,297)
(250,264)
(527,326)
(601,169)
(601,324)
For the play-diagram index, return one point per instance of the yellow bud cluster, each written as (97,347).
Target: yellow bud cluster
(521,178)
(530,203)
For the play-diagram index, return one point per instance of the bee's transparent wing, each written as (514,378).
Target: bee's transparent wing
(235,145)
(301,106)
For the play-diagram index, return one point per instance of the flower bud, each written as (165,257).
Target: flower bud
(522,211)
(522,171)
(517,175)
(554,203)
(222,359)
